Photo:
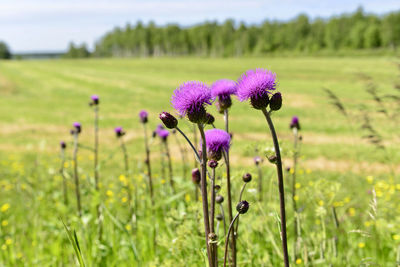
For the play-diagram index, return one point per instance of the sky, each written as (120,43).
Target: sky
(50,25)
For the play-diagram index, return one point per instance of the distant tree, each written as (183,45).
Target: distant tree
(77,51)
(4,51)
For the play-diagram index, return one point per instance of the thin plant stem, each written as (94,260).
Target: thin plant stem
(260,185)
(335,238)
(212,221)
(183,157)
(96,168)
(227,237)
(63,177)
(240,199)
(228,184)
(127,174)
(280,186)
(295,221)
(195,141)
(203,184)
(223,217)
(76,177)
(148,164)
(170,170)
(191,145)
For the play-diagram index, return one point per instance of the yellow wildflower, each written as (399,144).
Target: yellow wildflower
(124,199)
(109,193)
(299,261)
(308,171)
(370,179)
(321,202)
(352,211)
(4,223)
(128,227)
(5,207)
(187,197)
(396,237)
(361,245)
(8,241)
(162,181)
(296,198)
(297,185)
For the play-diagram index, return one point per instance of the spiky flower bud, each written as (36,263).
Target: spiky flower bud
(196,176)
(219,199)
(210,119)
(143,116)
(246,177)
(242,207)
(275,103)
(212,164)
(77,128)
(169,121)
(273,159)
(259,102)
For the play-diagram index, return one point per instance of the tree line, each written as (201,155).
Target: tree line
(354,31)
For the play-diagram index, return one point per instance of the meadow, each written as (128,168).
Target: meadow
(338,169)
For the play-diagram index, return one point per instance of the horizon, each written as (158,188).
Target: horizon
(51,27)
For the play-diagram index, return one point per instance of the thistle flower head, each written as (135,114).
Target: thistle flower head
(190,99)
(169,120)
(163,134)
(219,199)
(95,100)
(257,160)
(256,85)
(63,145)
(295,123)
(119,132)
(77,128)
(223,89)
(242,207)
(143,116)
(217,141)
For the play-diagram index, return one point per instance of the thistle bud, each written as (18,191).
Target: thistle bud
(273,159)
(197,116)
(210,119)
(247,177)
(257,160)
(217,187)
(219,217)
(242,207)
(196,177)
(295,123)
(260,102)
(275,102)
(212,164)
(219,199)
(169,121)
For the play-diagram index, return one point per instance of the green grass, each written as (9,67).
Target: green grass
(39,101)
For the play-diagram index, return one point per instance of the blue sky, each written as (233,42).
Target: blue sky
(41,25)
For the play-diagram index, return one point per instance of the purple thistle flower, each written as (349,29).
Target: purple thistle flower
(196,176)
(169,121)
(257,160)
(78,127)
(95,100)
(163,134)
(63,145)
(190,98)
(256,85)
(223,89)
(143,116)
(217,141)
(119,131)
(295,123)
